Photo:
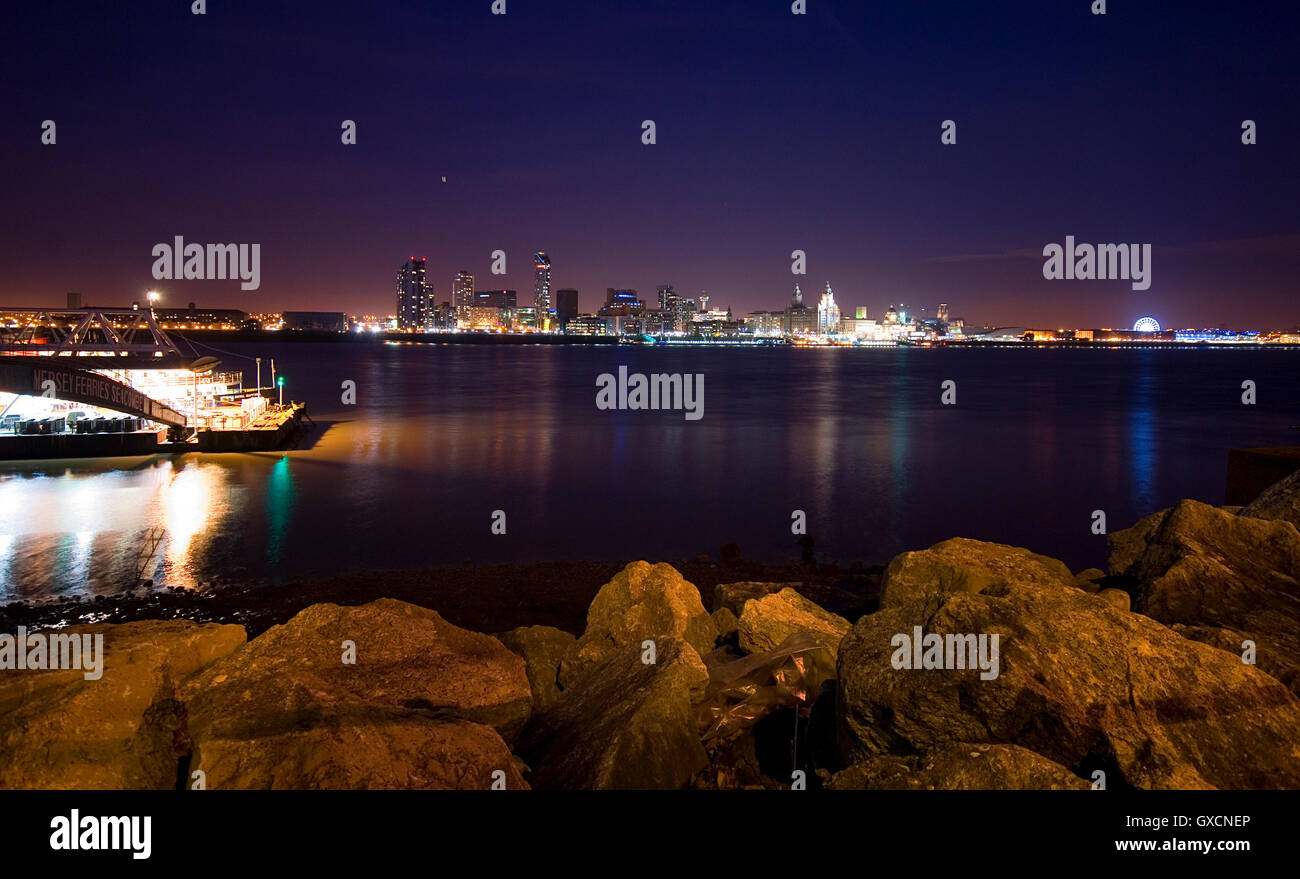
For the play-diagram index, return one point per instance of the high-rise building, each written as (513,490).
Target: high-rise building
(496,299)
(462,290)
(414,297)
(566,306)
(542,286)
(942,313)
(828,313)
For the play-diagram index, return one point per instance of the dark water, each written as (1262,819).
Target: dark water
(441,436)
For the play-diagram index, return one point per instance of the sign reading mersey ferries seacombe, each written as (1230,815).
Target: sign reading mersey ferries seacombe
(82,386)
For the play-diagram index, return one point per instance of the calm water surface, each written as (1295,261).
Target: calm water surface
(442,436)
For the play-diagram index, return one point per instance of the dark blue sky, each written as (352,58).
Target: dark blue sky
(775,132)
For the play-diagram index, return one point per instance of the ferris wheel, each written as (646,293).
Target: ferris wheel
(1146,325)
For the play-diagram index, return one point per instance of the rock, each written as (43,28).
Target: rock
(725,622)
(1116,598)
(1087,579)
(1284,668)
(963,565)
(1127,546)
(59,731)
(733,596)
(642,602)
(543,648)
(960,766)
(766,622)
(360,748)
(626,725)
(407,658)
(1079,683)
(1280,501)
(1206,567)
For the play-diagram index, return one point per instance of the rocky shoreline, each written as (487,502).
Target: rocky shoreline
(1177,668)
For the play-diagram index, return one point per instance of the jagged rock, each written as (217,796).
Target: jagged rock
(1280,501)
(407,658)
(963,565)
(1078,682)
(725,622)
(543,648)
(1087,579)
(642,602)
(766,622)
(1127,546)
(1206,567)
(960,766)
(733,596)
(360,748)
(1285,668)
(59,731)
(626,724)
(1116,598)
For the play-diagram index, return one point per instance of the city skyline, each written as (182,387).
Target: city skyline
(821,147)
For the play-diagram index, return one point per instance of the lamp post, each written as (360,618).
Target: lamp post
(279,383)
(259,376)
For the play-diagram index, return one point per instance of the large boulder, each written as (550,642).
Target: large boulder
(766,622)
(356,748)
(1285,668)
(733,596)
(626,725)
(60,731)
(960,766)
(1126,546)
(1204,566)
(543,649)
(406,658)
(964,565)
(1076,681)
(1280,501)
(643,601)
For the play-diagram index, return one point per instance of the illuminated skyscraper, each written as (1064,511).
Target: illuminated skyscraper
(414,297)
(828,313)
(942,313)
(542,287)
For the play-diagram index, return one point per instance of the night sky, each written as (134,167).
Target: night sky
(775,132)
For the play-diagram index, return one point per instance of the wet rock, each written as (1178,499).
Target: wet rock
(543,648)
(1078,682)
(963,565)
(642,602)
(625,725)
(1206,567)
(1087,580)
(960,766)
(359,748)
(766,622)
(59,731)
(733,596)
(1116,598)
(407,658)
(1280,501)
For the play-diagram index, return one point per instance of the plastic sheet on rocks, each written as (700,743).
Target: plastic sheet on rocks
(744,690)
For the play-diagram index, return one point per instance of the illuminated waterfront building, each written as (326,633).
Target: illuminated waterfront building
(828,313)
(542,287)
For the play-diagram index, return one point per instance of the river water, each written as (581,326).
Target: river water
(444,441)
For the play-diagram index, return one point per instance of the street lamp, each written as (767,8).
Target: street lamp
(279,383)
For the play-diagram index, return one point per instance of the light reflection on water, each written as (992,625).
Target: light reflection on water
(442,436)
